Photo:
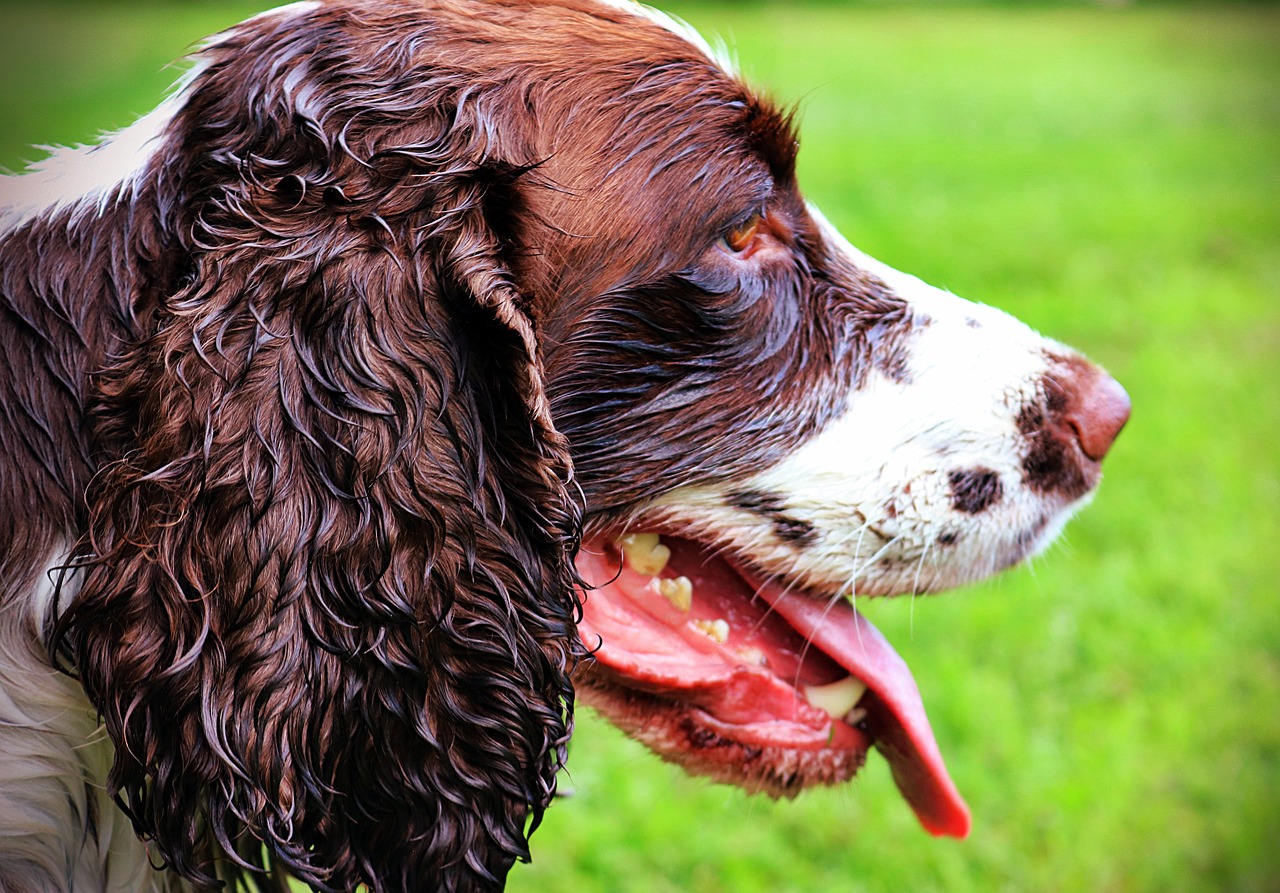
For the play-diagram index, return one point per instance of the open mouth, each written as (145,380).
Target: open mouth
(750,681)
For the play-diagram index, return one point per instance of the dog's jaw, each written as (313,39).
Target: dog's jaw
(750,681)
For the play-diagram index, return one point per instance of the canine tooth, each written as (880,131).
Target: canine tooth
(717,629)
(836,698)
(678,591)
(645,553)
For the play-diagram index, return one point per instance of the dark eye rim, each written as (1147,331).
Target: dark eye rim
(740,238)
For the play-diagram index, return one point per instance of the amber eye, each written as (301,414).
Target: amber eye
(740,237)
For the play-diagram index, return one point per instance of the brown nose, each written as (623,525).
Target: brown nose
(1097,407)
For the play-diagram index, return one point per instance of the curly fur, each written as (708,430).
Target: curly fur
(326,582)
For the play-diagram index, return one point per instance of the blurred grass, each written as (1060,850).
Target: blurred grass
(1112,176)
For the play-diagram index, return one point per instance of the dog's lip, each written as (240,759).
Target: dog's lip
(896,716)
(839,641)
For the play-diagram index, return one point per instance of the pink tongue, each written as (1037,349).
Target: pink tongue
(903,735)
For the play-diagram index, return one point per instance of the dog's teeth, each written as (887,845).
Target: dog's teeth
(717,629)
(678,591)
(752,657)
(645,553)
(836,698)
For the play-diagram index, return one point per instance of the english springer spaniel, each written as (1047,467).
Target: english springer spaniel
(419,363)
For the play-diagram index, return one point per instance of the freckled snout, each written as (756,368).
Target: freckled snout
(1095,407)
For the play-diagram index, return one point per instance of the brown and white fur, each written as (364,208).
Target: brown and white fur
(315,376)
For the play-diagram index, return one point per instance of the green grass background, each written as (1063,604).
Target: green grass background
(1112,176)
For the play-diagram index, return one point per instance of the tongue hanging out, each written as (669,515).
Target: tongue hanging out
(751,683)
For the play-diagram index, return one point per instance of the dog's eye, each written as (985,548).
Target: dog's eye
(740,238)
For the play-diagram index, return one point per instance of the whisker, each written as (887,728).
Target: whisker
(915,589)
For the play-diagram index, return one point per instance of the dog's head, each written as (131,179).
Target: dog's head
(767,423)
(461,287)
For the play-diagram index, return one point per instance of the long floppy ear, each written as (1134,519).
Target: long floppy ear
(327,609)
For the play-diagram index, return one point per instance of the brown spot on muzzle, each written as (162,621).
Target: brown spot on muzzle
(788,529)
(975,490)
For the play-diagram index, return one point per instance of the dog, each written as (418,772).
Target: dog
(419,368)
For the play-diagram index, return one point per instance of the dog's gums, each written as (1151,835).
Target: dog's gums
(750,681)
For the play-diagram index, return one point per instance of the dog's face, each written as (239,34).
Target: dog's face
(767,423)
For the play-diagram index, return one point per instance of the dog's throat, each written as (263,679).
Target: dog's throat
(743,660)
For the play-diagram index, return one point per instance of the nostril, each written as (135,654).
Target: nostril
(1097,412)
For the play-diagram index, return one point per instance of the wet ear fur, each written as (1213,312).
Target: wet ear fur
(327,603)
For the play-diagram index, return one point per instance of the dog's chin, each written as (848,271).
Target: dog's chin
(1026,542)
(749,680)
